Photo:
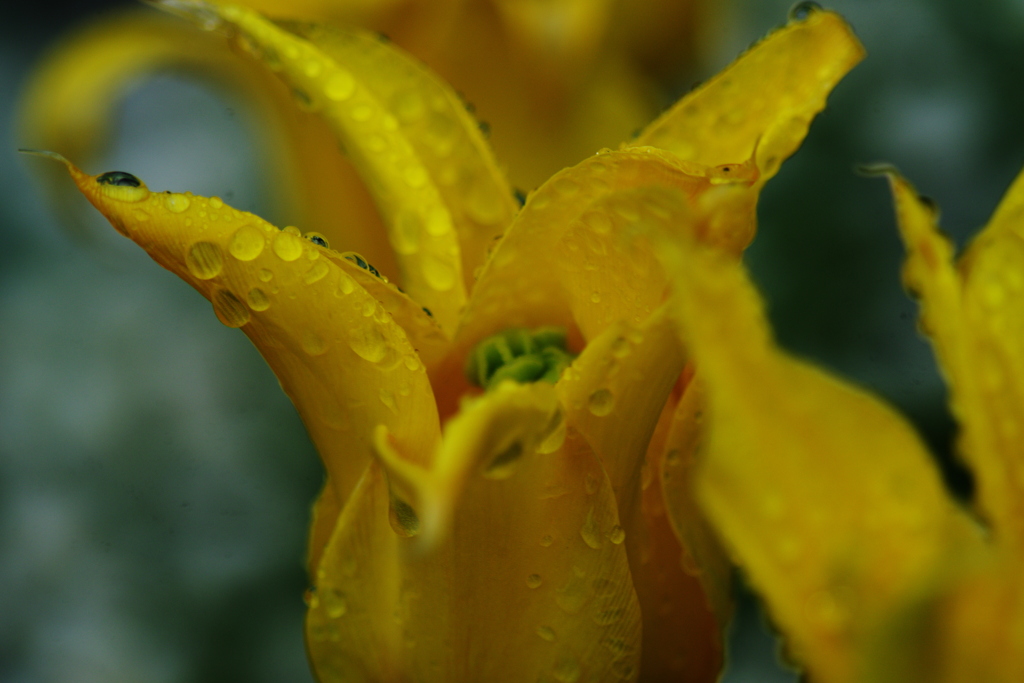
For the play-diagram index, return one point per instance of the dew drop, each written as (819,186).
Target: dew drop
(216,202)
(546,540)
(620,348)
(247,243)
(318,272)
(335,603)
(415,176)
(590,533)
(368,343)
(204,260)
(601,402)
(313,68)
(265,275)
(404,520)
(287,246)
(340,86)
(257,299)
(388,399)
(547,633)
(412,364)
(801,10)
(313,344)
(624,669)
(176,203)
(533,581)
(617,535)
(346,285)
(607,617)
(405,237)
(567,670)
(438,222)
(595,298)
(598,222)
(440,275)
(229,309)
(361,113)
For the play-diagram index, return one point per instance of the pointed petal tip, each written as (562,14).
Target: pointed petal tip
(46,154)
(205,15)
(876,169)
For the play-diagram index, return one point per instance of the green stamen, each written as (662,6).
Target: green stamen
(519,355)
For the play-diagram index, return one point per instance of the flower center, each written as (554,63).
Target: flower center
(519,355)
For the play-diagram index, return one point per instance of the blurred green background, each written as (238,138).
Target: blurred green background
(154,480)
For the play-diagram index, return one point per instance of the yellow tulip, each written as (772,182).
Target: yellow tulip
(828,499)
(507,438)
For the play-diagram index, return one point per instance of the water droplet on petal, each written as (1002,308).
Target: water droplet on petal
(533,581)
(266,275)
(313,344)
(617,535)
(590,533)
(335,603)
(176,203)
(601,402)
(546,540)
(547,633)
(204,260)
(439,274)
(368,342)
(257,299)
(318,272)
(339,86)
(801,10)
(287,246)
(229,309)
(388,399)
(607,617)
(216,203)
(247,243)
(346,285)
(567,671)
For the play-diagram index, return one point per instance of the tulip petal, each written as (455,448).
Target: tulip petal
(764,101)
(564,260)
(337,352)
(675,471)
(71,102)
(684,618)
(968,628)
(489,436)
(976,323)
(826,497)
(423,228)
(445,138)
(526,586)
(614,393)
